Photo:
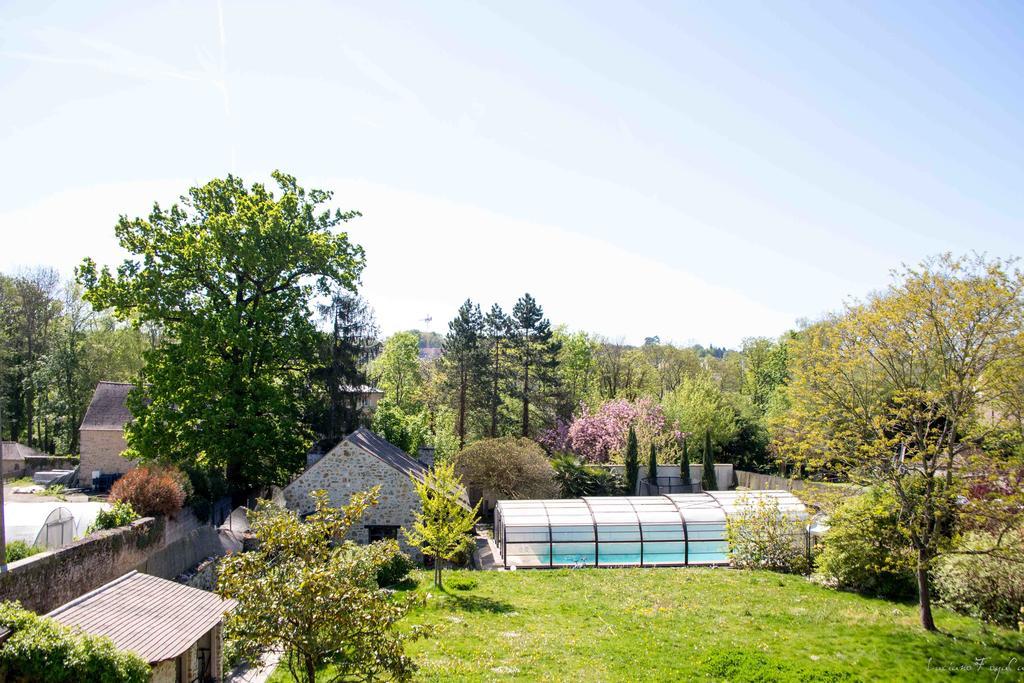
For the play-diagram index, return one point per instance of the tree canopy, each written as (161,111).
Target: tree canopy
(227,275)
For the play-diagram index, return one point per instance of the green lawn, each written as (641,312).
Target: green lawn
(680,624)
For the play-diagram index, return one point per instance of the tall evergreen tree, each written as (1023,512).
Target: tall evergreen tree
(464,361)
(496,343)
(349,343)
(632,462)
(652,464)
(684,464)
(709,482)
(536,356)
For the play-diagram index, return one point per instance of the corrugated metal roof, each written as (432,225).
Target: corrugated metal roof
(155,618)
(108,409)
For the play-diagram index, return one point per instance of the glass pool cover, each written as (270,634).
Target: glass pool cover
(667,530)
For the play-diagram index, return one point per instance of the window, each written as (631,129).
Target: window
(378,532)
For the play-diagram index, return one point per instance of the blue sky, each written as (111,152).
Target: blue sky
(699,171)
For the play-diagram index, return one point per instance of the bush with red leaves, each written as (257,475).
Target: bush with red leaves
(151,490)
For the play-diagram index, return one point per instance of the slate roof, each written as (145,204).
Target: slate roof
(107,410)
(155,618)
(388,452)
(19,451)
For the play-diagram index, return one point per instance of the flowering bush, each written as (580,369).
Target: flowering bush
(595,436)
(150,490)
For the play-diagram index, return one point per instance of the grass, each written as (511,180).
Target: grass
(20,481)
(682,624)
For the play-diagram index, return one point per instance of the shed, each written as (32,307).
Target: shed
(176,628)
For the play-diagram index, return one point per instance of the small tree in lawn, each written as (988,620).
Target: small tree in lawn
(684,464)
(632,462)
(442,529)
(709,482)
(315,599)
(652,465)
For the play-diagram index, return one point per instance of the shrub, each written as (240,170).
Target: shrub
(121,514)
(865,550)
(761,536)
(576,479)
(395,566)
(509,467)
(989,587)
(461,583)
(151,490)
(44,651)
(19,550)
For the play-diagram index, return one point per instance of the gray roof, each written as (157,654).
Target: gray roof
(388,452)
(19,451)
(155,618)
(108,410)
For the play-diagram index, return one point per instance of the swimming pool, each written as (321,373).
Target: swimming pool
(667,530)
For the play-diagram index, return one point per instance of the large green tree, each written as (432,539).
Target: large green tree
(497,372)
(536,356)
(228,275)
(314,598)
(903,390)
(464,362)
(397,369)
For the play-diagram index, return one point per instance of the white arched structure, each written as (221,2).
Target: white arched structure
(669,530)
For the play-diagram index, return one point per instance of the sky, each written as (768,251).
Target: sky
(703,172)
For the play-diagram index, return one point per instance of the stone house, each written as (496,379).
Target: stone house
(361,461)
(175,628)
(101,435)
(364,397)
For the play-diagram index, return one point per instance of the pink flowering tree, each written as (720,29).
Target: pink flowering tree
(596,435)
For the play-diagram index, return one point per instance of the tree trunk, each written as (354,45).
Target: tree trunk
(526,400)
(310,669)
(924,591)
(462,411)
(437,572)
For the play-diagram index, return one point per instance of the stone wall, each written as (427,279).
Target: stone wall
(724,474)
(756,481)
(348,469)
(47,580)
(26,467)
(101,451)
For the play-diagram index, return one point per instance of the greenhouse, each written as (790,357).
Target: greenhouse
(668,530)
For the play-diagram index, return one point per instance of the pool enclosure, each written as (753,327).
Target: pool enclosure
(668,530)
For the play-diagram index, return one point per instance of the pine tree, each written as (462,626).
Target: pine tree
(709,482)
(495,373)
(652,465)
(536,356)
(684,465)
(464,361)
(632,462)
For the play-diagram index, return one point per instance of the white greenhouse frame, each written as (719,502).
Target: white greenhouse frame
(678,529)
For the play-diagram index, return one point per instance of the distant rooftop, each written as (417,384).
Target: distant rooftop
(19,451)
(155,618)
(360,389)
(108,409)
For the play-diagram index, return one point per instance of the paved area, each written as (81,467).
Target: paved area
(486,554)
(255,674)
